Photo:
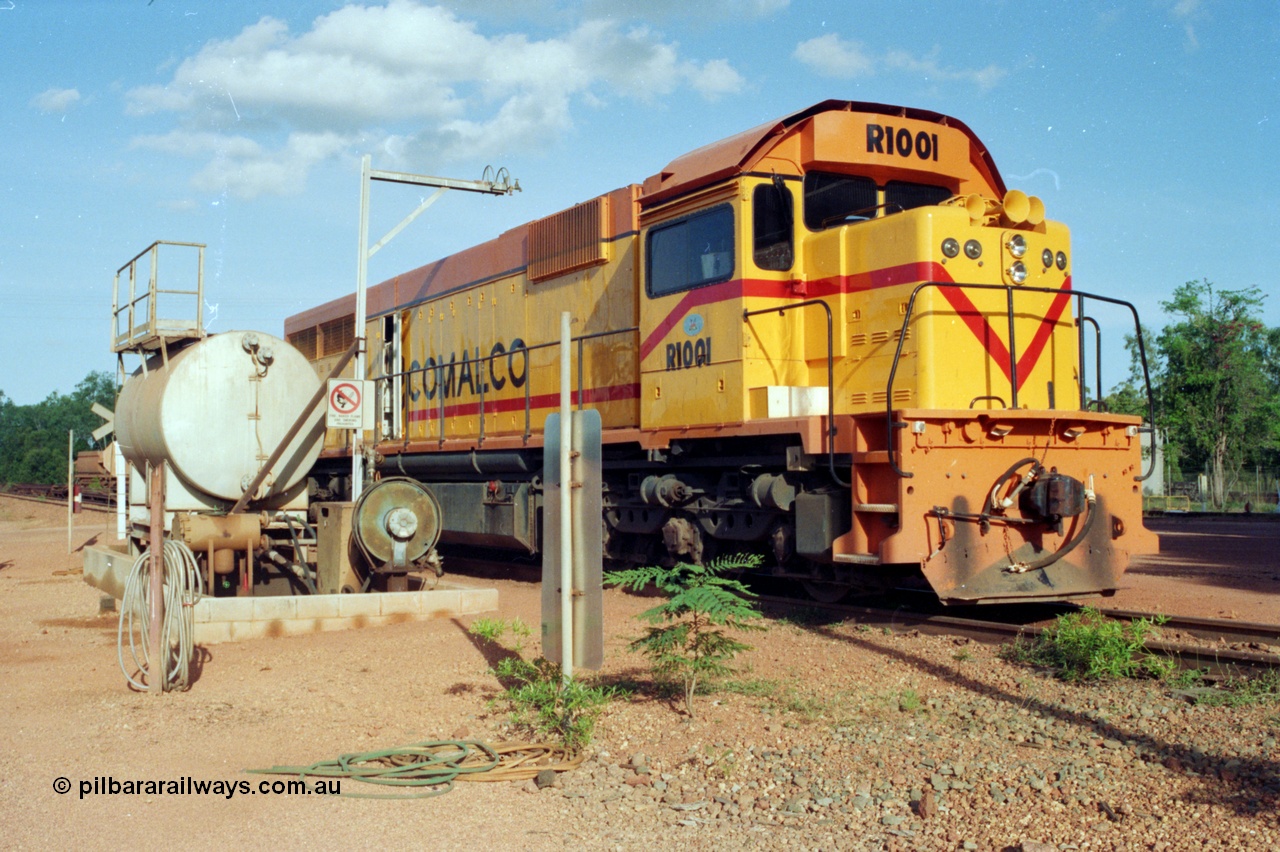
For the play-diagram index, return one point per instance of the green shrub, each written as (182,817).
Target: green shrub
(540,700)
(1242,692)
(688,643)
(1087,645)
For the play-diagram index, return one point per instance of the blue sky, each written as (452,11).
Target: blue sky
(1151,127)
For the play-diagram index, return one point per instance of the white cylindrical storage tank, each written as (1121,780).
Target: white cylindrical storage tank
(217,409)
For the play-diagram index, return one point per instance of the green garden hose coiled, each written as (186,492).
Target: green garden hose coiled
(434,764)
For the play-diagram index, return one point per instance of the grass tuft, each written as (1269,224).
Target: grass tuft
(1088,646)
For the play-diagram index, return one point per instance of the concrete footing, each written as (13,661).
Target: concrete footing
(232,619)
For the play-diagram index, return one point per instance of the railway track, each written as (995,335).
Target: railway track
(1220,646)
(42,493)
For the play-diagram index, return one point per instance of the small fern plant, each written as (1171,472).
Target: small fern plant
(688,643)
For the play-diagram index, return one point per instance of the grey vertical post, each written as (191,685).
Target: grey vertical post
(586,585)
(71,484)
(362,271)
(566,509)
(157,657)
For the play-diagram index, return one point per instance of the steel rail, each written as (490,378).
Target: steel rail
(1213,658)
(1217,659)
(1208,629)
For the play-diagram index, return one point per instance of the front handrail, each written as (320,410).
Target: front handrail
(831,381)
(893,426)
(1097,362)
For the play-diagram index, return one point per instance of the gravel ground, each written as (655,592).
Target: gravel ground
(834,737)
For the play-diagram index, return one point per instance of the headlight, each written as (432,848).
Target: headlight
(1017,272)
(1062,260)
(1046,257)
(972,249)
(1017,245)
(951,247)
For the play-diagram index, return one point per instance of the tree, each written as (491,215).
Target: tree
(33,438)
(687,642)
(1215,373)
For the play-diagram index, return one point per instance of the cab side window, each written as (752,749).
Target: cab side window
(772,227)
(690,252)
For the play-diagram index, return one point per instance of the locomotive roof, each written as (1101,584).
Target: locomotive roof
(706,165)
(739,153)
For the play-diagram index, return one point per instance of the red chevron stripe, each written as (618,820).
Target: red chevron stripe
(769,289)
(996,348)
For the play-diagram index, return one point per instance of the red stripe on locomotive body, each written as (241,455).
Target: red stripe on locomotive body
(977,322)
(610,393)
(1032,353)
(692,299)
(761,288)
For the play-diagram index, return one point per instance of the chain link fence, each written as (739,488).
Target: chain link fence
(1255,490)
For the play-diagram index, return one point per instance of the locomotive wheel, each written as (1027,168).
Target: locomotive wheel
(827,593)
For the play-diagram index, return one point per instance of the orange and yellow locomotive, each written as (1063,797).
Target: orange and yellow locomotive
(834,339)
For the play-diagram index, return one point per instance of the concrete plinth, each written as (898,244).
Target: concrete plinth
(231,619)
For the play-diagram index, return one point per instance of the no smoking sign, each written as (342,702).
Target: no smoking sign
(346,408)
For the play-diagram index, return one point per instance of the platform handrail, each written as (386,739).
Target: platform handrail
(484,368)
(142,332)
(893,426)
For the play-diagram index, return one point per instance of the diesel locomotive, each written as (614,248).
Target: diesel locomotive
(836,339)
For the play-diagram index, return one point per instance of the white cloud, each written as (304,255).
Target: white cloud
(929,68)
(832,56)
(706,10)
(56,100)
(244,167)
(1185,12)
(716,78)
(405,77)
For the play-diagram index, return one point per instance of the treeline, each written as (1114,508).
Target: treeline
(33,438)
(1215,378)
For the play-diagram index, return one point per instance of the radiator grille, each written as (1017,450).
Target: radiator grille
(336,335)
(899,395)
(569,240)
(305,342)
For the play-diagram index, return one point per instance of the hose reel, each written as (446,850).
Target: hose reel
(396,523)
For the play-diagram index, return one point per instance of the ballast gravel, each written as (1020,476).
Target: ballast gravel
(832,736)
(982,756)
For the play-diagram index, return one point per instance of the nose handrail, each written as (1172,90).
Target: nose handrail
(1081,296)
